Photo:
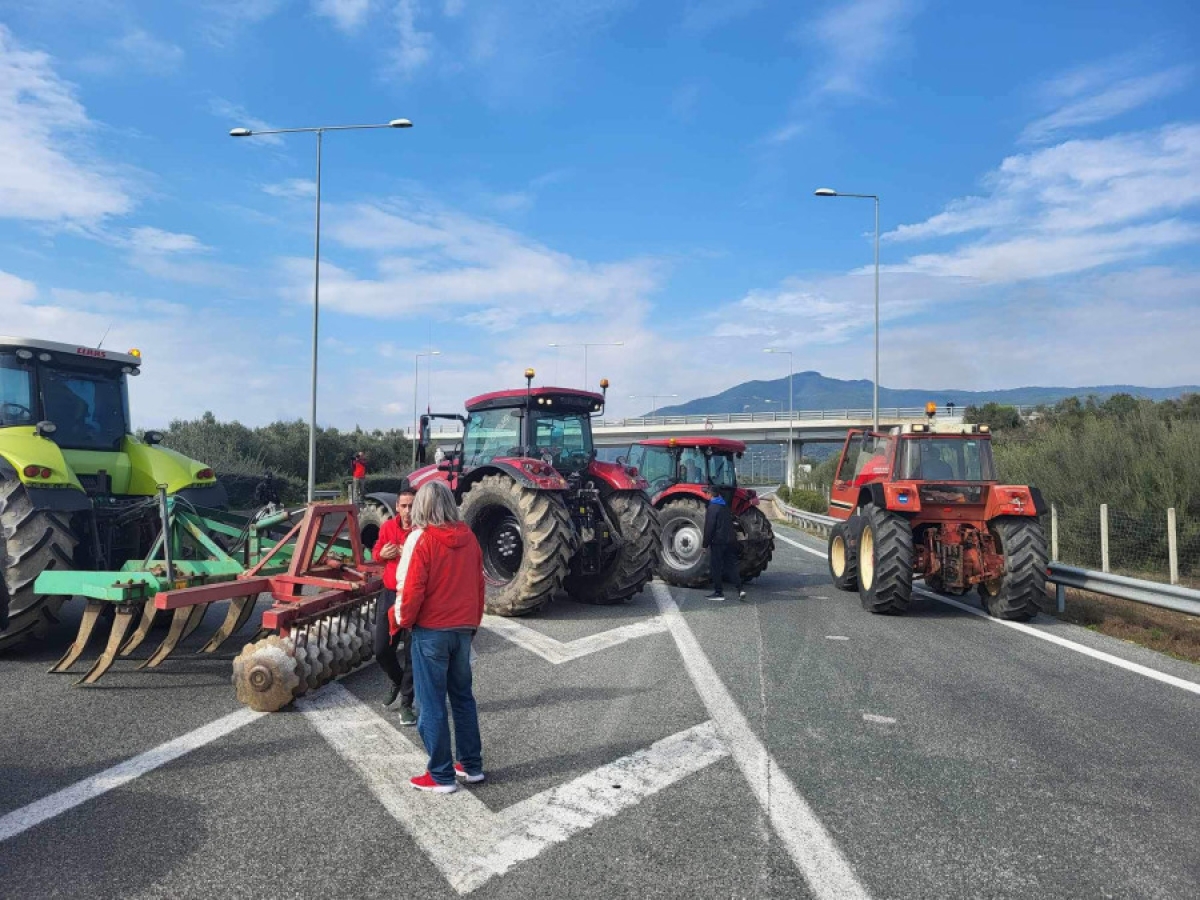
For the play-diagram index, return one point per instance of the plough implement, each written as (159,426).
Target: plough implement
(323,590)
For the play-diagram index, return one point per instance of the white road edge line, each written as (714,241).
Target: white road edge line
(26,817)
(807,842)
(1100,655)
(558,652)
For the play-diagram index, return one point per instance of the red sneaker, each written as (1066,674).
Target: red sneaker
(426,783)
(468,778)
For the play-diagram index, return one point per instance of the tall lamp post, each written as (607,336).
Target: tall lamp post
(319,131)
(653,398)
(416,410)
(830,192)
(791,415)
(585,352)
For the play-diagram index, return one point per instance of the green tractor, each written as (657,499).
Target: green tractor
(77,489)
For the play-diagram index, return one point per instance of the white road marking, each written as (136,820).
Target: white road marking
(466,840)
(558,652)
(803,836)
(836,637)
(21,820)
(882,720)
(1137,668)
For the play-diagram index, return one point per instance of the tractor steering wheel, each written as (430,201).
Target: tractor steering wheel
(25,411)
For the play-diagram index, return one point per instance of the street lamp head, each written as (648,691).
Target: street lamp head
(400,123)
(240,132)
(435,352)
(825,192)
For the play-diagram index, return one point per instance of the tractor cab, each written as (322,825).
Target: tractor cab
(704,462)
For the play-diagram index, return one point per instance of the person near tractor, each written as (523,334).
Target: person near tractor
(721,543)
(393,647)
(441,600)
(358,472)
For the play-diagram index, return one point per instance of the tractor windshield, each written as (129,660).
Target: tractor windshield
(16,391)
(655,464)
(720,471)
(491,433)
(947,459)
(565,439)
(88,406)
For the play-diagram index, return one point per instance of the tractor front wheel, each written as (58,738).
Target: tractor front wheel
(758,543)
(629,569)
(371,516)
(527,541)
(33,540)
(1015,595)
(684,561)
(885,561)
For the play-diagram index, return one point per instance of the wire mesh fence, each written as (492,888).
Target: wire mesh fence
(1156,545)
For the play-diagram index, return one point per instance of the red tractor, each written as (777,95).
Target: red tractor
(547,513)
(923,501)
(684,474)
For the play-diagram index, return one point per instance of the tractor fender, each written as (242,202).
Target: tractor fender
(617,477)
(523,471)
(675,491)
(385,499)
(21,446)
(1013,500)
(154,464)
(872,494)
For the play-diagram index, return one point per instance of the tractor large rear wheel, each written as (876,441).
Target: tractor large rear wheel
(758,545)
(683,561)
(843,554)
(1016,594)
(885,561)
(527,540)
(630,569)
(34,540)
(371,516)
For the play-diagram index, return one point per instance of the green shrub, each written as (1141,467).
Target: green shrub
(783,493)
(809,501)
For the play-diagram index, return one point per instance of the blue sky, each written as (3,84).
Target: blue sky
(600,170)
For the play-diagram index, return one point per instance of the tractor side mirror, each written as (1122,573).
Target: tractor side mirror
(45,428)
(153,437)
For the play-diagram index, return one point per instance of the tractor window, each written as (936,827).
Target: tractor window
(16,392)
(721,472)
(691,466)
(655,464)
(566,438)
(88,407)
(491,433)
(846,469)
(948,459)
(869,455)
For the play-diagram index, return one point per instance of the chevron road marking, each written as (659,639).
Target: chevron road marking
(558,652)
(465,839)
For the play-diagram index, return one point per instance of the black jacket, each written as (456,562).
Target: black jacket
(718,524)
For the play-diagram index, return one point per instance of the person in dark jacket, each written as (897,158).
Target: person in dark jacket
(721,543)
(393,647)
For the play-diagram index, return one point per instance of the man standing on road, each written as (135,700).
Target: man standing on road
(358,471)
(721,543)
(441,600)
(393,647)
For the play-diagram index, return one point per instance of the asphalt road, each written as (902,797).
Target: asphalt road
(791,746)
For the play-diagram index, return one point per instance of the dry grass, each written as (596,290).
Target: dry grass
(1173,633)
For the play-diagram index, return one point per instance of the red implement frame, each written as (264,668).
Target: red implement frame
(342,583)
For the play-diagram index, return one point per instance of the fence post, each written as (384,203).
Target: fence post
(1103,537)
(1054,533)
(1060,598)
(1172,546)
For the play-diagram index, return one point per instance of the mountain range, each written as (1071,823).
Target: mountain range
(812,390)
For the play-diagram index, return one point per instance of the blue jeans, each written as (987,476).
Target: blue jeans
(442,668)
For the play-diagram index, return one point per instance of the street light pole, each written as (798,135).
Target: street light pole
(830,192)
(791,413)
(416,409)
(319,131)
(585,353)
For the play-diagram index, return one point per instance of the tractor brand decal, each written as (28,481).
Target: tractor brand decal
(91,351)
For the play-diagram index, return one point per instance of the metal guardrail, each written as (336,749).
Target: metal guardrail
(1151,593)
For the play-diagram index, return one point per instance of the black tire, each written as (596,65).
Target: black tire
(629,570)
(758,544)
(527,540)
(842,555)
(885,561)
(683,561)
(34,540)
(1018,594)
(371,516)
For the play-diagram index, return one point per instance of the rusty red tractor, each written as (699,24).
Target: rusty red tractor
(548,515)
(923,501)
(684,474)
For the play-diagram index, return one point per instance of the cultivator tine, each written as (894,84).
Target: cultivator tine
(143,629)
(120,627)
(239,612)
(86,625)
(184,622)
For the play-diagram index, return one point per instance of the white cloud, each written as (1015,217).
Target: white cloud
(236,116)
(292,188)
(136,49)
(47,175)
(856,37)
(226,19)
(702,16)
(414,48)
(155,240)
(348,15)
(452,8)
(1098,93)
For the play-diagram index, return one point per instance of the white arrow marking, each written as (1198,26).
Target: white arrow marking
(470,843)
(559,652)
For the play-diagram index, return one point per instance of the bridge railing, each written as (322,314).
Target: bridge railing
(799,415)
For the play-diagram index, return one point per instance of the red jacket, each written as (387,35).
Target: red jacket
(444,585)
(390,532)
(359,469)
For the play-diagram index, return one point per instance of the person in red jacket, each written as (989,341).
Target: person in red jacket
(441,600)
(393,647)
(358,474)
